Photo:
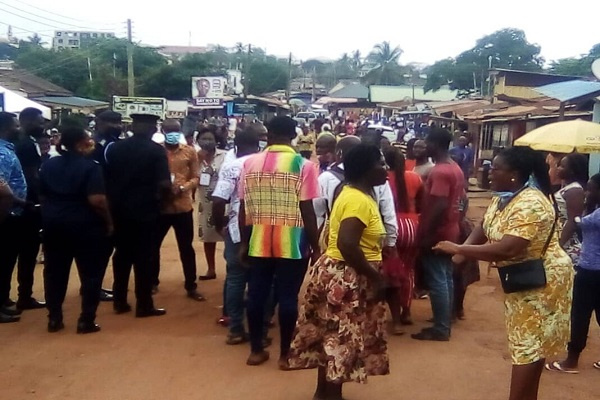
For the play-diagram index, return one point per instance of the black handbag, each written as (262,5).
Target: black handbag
(526,275)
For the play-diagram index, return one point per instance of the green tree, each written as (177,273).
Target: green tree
(576,66)
(179,77)
(266,76)
(387,70)
(506,48)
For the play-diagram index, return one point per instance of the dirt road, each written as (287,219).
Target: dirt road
(183,355)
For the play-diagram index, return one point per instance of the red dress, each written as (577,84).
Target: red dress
(400,271)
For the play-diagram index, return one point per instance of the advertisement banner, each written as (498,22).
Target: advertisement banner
(140,105)
(208,91)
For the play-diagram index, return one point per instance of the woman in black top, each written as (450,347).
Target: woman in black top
(76,224)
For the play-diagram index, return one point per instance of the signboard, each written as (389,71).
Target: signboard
(244,108)
(140,105)
(176,109)
(208,91)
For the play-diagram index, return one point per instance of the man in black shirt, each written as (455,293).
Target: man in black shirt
(138,179)
(109,127)
(29,154)
(108,130)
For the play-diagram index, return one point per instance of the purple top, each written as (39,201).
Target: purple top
(590,248)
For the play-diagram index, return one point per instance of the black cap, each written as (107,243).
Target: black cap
(144,117)
(110,116)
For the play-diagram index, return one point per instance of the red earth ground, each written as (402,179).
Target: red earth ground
(183,354)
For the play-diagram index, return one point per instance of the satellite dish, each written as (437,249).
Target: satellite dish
(596,68)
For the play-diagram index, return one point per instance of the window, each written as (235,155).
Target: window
(75,34)
(94,35)
(58,34)
(60,41)
(84,35)
(73,42)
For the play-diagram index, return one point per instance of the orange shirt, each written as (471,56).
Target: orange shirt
(413,184)
(184,167)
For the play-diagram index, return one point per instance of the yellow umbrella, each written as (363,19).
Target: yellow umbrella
(564,137)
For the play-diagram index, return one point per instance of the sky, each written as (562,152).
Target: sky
(427,31)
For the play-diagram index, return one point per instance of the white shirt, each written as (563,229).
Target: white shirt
(227,189)
(229,156)
(328,182)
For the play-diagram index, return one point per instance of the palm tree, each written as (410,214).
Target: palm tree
(387,71)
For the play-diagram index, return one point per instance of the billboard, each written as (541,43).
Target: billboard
(140,105)
(208,90)
(176,109)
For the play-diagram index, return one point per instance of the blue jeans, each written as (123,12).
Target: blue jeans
(235,287)
(289,275)
(438,276)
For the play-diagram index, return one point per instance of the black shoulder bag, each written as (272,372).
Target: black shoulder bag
(526,275)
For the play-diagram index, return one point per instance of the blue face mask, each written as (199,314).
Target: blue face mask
(172,138)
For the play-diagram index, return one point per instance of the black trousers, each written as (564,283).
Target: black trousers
(135,245)
(88,247)
(20,238)
(586,300)
(289,275)
(183,224)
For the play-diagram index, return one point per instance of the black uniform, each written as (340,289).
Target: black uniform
(72,230)
(29,222)
(136,168)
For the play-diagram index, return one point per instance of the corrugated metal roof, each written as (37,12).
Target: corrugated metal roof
(389,94)
(353,90)
(71,101)
(571,90)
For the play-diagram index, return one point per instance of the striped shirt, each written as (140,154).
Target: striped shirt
(272,185)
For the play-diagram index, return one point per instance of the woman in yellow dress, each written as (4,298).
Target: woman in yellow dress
(516,228)
(341,324)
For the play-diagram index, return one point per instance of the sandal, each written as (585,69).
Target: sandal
(236,339)
(207,277)
(596,365)
(555,366)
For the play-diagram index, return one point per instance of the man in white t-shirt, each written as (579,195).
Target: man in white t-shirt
(332,178)
(226,190)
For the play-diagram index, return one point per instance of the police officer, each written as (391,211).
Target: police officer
(108,129)
(138,179)
(76,225)
(29,154)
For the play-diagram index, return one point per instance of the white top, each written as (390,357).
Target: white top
(562,203)
(229,156)
(328,182)
(227,189)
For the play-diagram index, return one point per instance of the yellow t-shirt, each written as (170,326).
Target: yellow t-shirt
(352,203)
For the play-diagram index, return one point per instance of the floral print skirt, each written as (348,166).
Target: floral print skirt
(339,327)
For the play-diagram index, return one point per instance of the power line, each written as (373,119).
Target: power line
(62,16)
(26,30)
(45,23)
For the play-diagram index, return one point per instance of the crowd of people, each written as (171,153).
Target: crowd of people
(366,225)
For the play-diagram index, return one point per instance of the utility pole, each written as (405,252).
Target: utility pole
(314,72)
(247,72)
(289,80)
(130,76)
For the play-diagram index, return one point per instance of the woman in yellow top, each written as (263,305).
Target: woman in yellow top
(306,142)
(516,228)
(341,327)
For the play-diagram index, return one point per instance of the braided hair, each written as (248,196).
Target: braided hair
(396,161)
(528,162)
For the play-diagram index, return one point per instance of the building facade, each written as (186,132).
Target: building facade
(77,39)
